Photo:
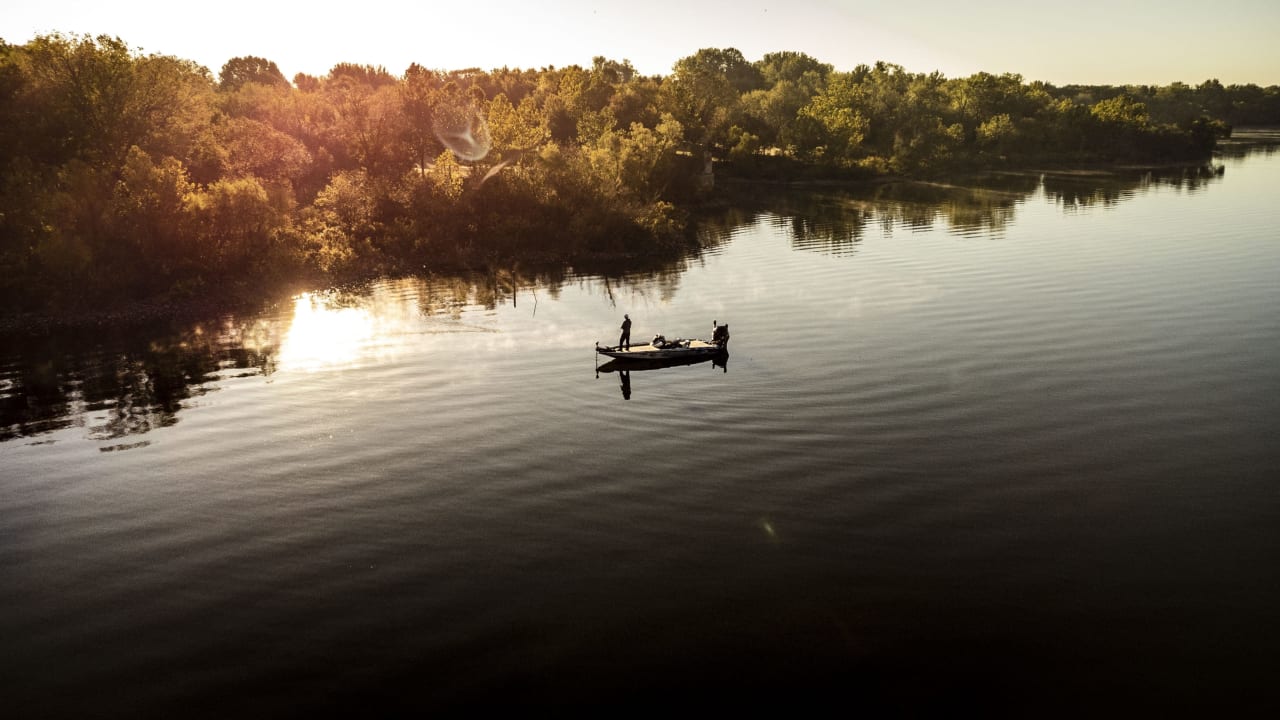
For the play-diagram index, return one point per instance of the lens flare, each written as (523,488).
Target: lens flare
(462,128)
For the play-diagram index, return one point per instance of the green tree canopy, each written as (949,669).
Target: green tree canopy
(795,67)
(249,69)
(93,99)
(704,92)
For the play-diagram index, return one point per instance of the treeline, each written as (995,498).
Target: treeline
(143,174)
(1181,104)
(135,174)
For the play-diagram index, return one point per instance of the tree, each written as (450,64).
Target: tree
(236,223)
(983,95)
(149,218)
(12,85)
(446,175)
(728,63)
(569,94)
(1214,98)
(306,83)
(612,71)
(94,100)
(837,111)
(636,101)
(239,71)
(790,80)
(370,125)
(1121,111)
(634,165)
(513,128)
(90,111)
(370,75)
(419,94)
(703,95)
(996,133)
(774,114)
(256,149)
(924,140)
(795,67)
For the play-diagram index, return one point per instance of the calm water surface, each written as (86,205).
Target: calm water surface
(1010,444)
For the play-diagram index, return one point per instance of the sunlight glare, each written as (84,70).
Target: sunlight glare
(321,337)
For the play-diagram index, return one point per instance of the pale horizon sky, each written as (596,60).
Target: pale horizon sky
(1086,42)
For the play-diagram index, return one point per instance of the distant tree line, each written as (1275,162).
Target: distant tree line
(124,173)
(1181,104)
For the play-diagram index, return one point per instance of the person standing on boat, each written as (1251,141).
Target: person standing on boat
(625,337)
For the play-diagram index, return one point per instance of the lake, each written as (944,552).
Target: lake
(1008,444)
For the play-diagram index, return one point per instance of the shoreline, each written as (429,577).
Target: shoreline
(88,314)
(95,313)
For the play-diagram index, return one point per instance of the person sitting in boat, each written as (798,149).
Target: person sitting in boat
(721,335)
(658,341)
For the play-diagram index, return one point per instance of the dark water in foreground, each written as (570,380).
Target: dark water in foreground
(1011,445)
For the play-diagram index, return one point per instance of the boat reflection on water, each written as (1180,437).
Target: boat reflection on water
(624,368)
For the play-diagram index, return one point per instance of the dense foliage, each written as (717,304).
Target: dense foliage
(144,174)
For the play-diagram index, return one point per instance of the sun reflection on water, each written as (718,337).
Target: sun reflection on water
(321,336)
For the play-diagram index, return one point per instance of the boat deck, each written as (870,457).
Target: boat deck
(650,348)
(647,347)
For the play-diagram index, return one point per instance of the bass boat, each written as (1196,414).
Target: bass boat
(661,348)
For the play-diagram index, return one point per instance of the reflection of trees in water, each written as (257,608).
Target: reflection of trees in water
(660,272)
(823,222)
(1239,150)
(1073,192)
(834,222)
(450,294)
(982,207)
(827,225)
(127,384)
(139,394)
(1264,141)
(820,234)
(35,398)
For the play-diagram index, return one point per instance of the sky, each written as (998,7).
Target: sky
(1114,42)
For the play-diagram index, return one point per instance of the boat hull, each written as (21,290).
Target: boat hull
(696,349)
(616,365)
